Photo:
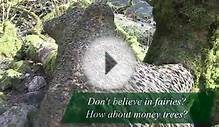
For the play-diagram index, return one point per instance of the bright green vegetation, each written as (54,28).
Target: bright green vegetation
(133,42)
(9,78)
(9,42)
(15,50)
(212,62)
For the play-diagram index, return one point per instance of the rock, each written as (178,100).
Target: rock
(17,75)
(30,98)
(35,42)
(43,50)
(55,27)
(43,53)
(33,98)
(97,21)
(183,34)
(118,3)
(3,108)
(3,103)
(13,76)
(135,23)
(9,79)
(73,40)
(143,31)
(4,64)
(140,10)
(21,86)
(135,9)
(16,116)
(37,83)
(48,59)
(21,66)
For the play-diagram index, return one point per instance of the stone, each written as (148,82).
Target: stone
(21,66)
(118,3)
(55,27)
(142,30)
(3,103)
(5,64)
(10,78)
(16,116)
(140,10)
(42,49)
(13,76)
(73,39)
(97,21)
(37,83)
(33,98)
(30,98)
(35,43)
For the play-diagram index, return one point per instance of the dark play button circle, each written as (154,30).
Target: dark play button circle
(109,63)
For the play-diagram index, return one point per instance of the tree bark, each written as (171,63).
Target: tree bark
(186,33)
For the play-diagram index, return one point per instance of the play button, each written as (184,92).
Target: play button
(108,63)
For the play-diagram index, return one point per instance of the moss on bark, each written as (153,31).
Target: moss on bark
(183,35)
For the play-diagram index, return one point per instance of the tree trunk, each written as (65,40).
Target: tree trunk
(187,33)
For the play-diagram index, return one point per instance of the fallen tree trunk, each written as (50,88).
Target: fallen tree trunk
(187,32)
(74,36)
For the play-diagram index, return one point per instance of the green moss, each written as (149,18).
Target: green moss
(212,59)
(1,73)
(138,37)
(9,43)
(21,66)
(165,12)
(133,42)
(9,29)
(2,97)
(188,12)
(34,40)
(34,44)
(50,62)
(14,2)
(3,101)
(9,78)
(84,3)
(184,35)
(1,29)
